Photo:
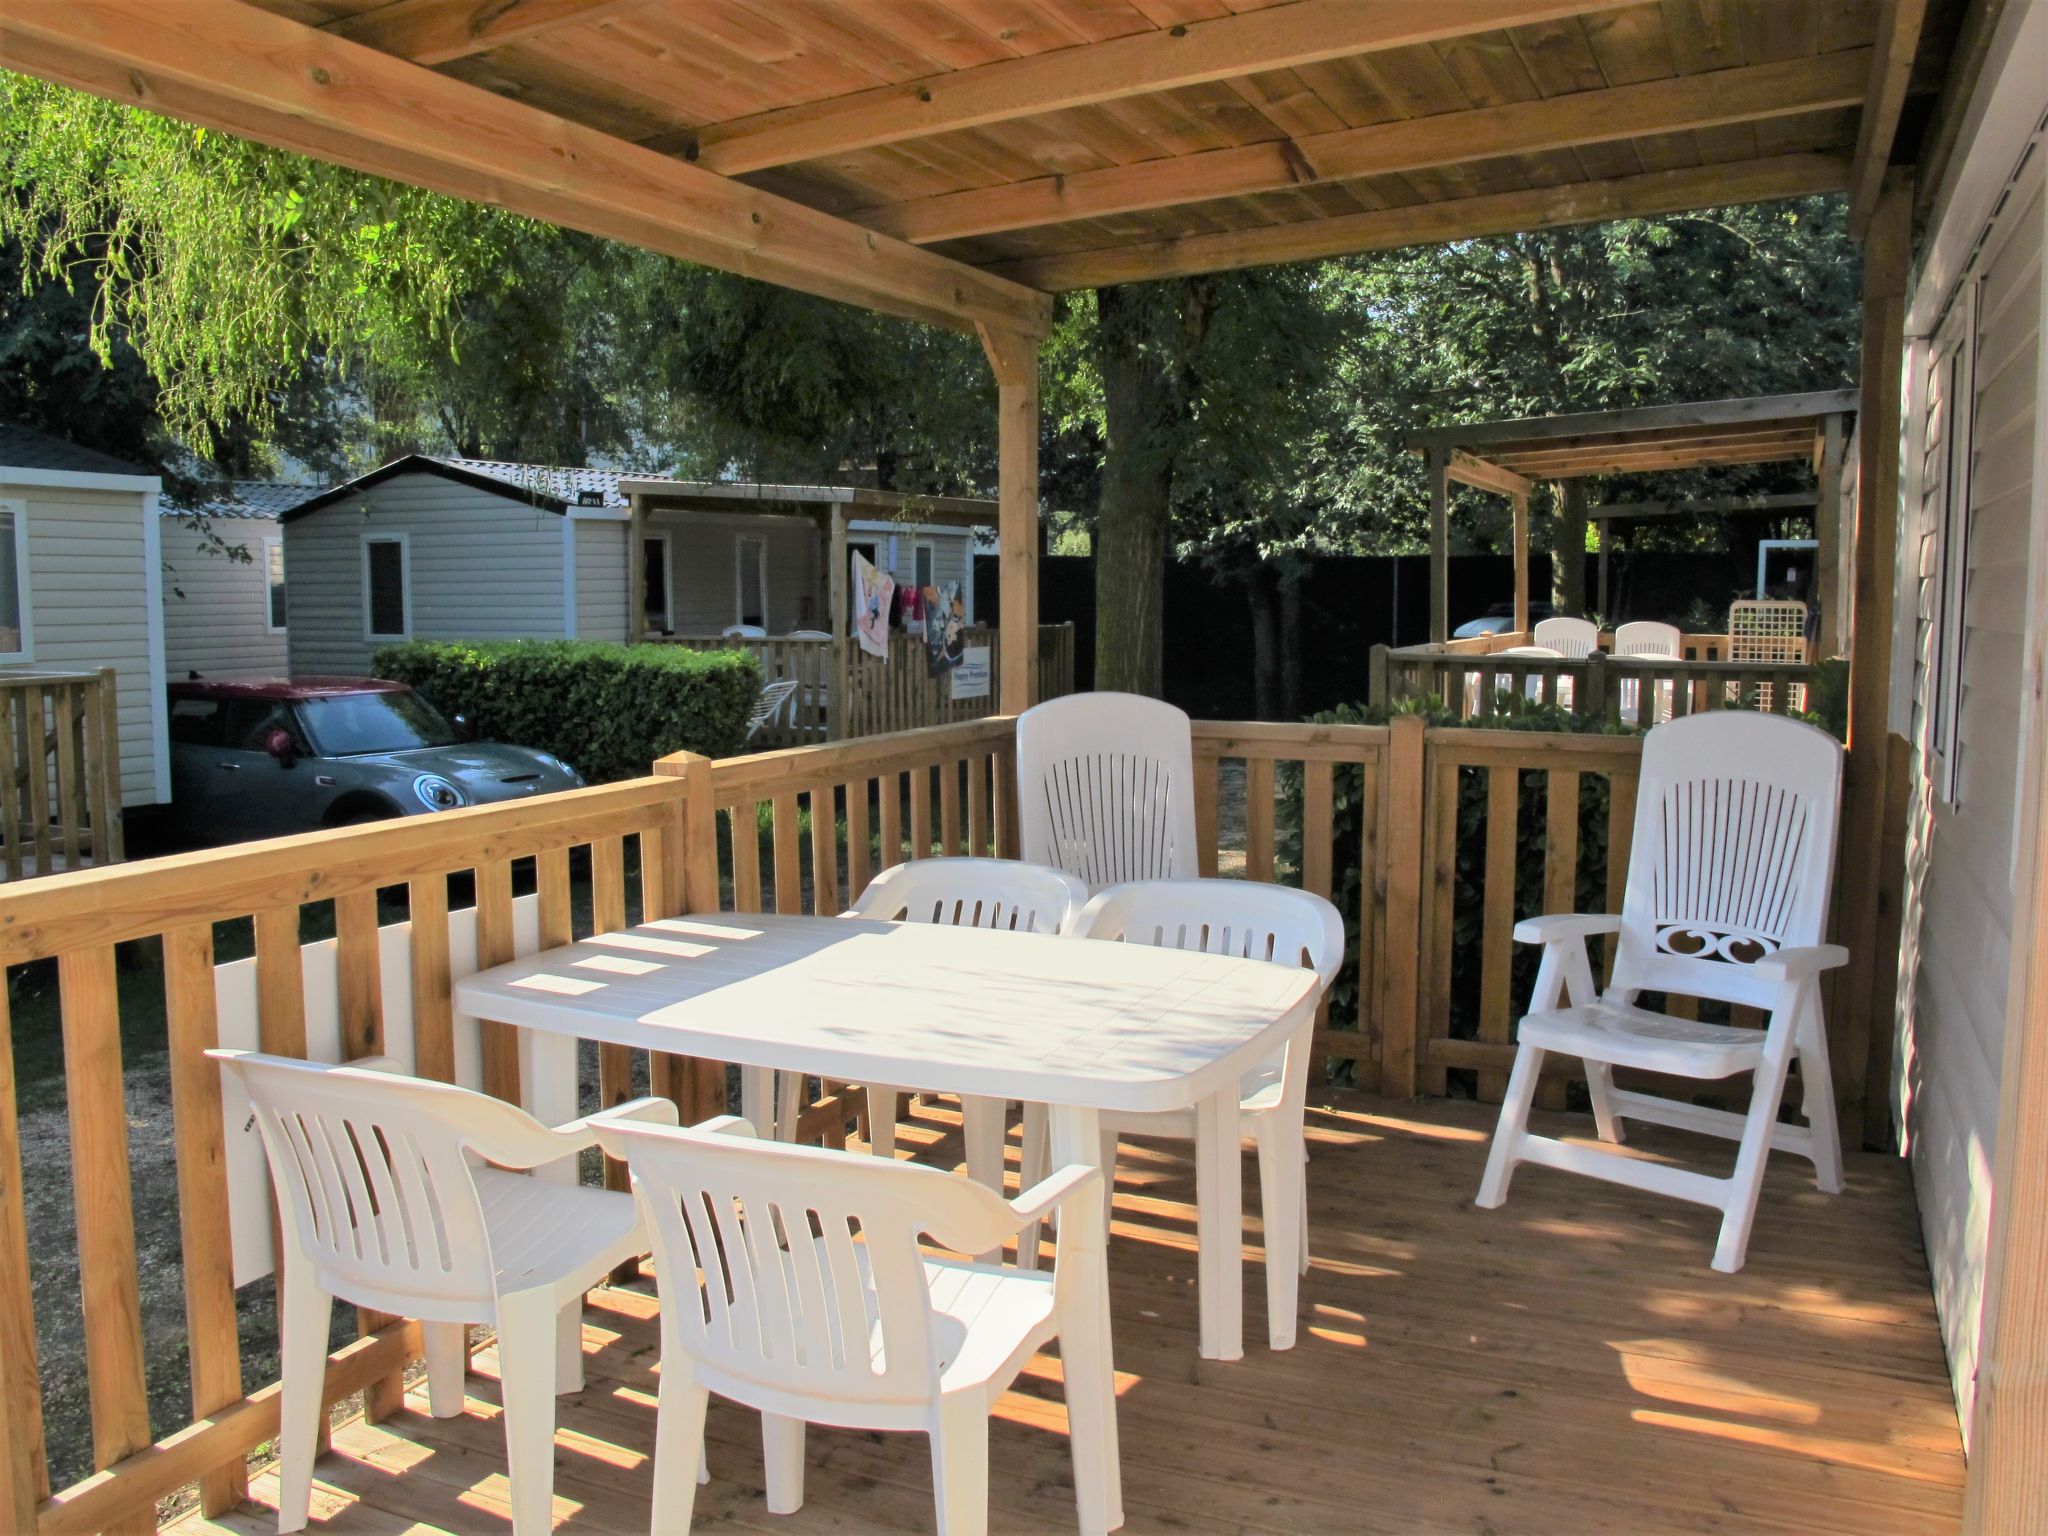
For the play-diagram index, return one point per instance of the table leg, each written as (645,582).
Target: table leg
(1219,1222)
(548,1070)
(1086,1359)
(757,1100)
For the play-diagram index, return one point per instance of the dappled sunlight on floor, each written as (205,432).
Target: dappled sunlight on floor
(1568,1363)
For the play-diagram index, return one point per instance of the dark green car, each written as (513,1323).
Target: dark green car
(266,756)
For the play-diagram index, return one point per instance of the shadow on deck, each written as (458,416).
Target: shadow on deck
(1566,1364)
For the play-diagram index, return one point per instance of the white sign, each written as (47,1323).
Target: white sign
(970,678)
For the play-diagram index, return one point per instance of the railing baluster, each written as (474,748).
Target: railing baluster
(977,805)
(920,812)
(11,760)
(746,856)
(789,878)
(24,1468)
(36,758)
(64,700)
(1318,812)
(1208,799)
(950,833)
(859,857)
(1258,818)
(824,850)
(494,946)
(891,786)
(1496,952)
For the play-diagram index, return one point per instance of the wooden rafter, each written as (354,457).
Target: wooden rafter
(1663,419)
(246,71)
(1486,476)
(1690,102)
(1281,37)
(438,31)
(1745,181)
(1891,71)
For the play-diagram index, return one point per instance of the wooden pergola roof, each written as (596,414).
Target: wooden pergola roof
(955,160)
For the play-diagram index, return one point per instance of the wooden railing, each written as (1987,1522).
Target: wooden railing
(60,772)
(346,943)
(899,694)
(1472,679)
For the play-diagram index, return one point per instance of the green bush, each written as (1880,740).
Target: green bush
(607,710)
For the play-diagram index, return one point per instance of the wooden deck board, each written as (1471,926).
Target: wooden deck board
(1567,1363)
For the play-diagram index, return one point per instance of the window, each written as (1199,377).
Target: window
(250,722)
(196,722)
(921,565)
(387,578)
(660,614)
(14,598)
(1955,398)
(752,582)
(273,588)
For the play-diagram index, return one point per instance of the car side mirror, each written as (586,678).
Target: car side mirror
(277,741)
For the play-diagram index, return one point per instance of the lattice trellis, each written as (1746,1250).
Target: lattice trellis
(1768,631)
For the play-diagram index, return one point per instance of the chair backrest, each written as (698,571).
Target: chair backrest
(974,893)
(372,1172)
(1568,637)
(808,634)
(1106,788)
(804,1260)
(1646,637)
(1733,852)
(1245,918)
(743,632)
(773,697)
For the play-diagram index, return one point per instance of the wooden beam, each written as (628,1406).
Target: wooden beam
(1791,501)
(438,31)
(837,588)
(1014,359)
(636,571)
(1739,181)
(1439,546)
(1193,53)
(1747,410)
(1481,475)
(1521,518)
(1519,128)
(245,71)
(1827,533)
(1884,97)
(1964,68)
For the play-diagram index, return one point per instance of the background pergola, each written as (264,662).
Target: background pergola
(1509,457)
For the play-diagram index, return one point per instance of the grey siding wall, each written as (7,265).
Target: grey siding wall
(217,610)
(1959,899)
(483,567)
(704,565)
(90,605)
(952,554)
(600,580)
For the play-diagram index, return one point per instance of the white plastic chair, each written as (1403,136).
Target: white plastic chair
(1106,788)
(808,634)
(957,893)
(792,1281)
(743,632)
(1646,637)
(1258,922)
(1727,898)
(396,1194)
(774,699)
(1576,638)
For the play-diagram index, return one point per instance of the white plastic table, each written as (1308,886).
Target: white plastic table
(1079,1026)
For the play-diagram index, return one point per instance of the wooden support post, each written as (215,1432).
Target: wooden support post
(1439,546)
(836,584)
(636,572)
(1014,357)
(1400,980)
(1827,533)
(1520,503)
(1859,1010)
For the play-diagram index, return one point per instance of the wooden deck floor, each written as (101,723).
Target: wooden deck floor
(1568,1364)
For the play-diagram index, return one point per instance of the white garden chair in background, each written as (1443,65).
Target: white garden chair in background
(792,1282)
(773,700)
(397,1193)
(1574,638)
(1727,898)
(1106,788)
(970,893)
(1257,922)
(1646,637)
(743,632)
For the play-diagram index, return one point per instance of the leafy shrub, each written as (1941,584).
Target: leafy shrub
(607,710)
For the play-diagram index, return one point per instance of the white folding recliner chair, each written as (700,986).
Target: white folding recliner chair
(964,893)
(792,1281)
(398,1193)
(1253,921)
(1727,898)
(1106,788)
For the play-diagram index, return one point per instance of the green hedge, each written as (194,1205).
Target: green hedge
(607,710)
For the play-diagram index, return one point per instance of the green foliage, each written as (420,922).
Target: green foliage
(607,710)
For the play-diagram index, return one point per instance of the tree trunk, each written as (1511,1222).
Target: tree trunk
(1290,646)
(1268,671)
(1568,549)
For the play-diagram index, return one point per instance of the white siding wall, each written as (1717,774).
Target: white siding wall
(217,610)
(483,567)
(952,554)
(600,580)
(1959,900)
(91,596)
(704,562)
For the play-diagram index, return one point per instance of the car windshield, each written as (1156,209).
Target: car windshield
(350,724)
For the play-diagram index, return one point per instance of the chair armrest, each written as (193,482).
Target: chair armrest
(653,1110)
(390,1065)
(1801,962)
(726,1125)
(1566,925)
(1052,1192)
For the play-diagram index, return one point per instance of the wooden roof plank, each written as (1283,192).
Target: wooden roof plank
(1891,72)
(1616,113)
(1435,223)
(1280,37)
(1485,476)
(437,31)
(236,68)
(1641,418)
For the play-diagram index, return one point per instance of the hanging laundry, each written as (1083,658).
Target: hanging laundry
(873,592)
(913,610)
(945,627)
